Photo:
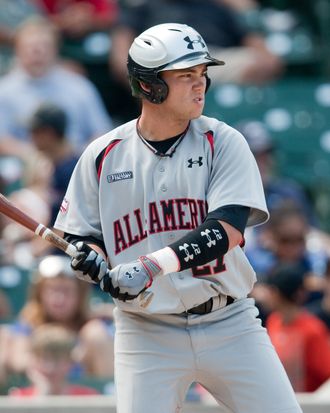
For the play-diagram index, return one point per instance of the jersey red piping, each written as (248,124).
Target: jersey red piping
(106,152)
(210,138)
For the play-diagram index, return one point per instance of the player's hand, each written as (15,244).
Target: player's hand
(90,265)
(130,280)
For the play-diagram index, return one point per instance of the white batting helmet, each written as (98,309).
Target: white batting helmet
(163,47)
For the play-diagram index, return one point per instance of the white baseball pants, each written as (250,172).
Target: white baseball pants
(227,351)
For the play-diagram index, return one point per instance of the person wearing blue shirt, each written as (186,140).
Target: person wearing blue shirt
(37,77)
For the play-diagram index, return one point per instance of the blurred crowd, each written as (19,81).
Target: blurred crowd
(63,82)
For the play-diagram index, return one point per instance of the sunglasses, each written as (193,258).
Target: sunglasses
(291,239)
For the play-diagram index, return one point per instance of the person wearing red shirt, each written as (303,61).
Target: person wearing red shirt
(300,338)
(77,18)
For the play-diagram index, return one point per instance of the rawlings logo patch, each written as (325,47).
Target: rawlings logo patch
(119,176)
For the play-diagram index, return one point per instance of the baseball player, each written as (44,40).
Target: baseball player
(158,208)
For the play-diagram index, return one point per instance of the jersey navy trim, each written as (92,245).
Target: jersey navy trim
(87,239)
(102,155)
(235,215)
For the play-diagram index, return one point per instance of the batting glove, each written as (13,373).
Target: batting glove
(90,265)
(127,281)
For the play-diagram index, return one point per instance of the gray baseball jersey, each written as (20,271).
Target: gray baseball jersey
(138,202)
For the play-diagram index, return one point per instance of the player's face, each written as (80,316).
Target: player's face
(186,95)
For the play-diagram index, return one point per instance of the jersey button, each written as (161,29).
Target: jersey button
(161,169)
(163,188)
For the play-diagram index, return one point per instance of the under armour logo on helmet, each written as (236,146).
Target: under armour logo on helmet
(197,162)
(191,42)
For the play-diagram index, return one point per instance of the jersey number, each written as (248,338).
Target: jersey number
(208,269)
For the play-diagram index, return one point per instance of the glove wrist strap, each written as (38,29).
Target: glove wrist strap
(151,267)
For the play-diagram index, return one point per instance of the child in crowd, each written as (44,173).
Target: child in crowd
(50,362)
(57,296)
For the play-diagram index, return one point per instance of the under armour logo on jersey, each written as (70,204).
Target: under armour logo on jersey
(191,42)
(184,248)
(197,162)
(130,274)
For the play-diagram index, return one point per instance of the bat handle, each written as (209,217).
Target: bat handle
(56,240)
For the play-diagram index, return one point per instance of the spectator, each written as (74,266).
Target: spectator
(58,297)
(48,127)
(284,240)
(41,193)
(282,194)
(12,14)
(321,307)
(300,339)
(240,5)
(51,359)
(247,59)
(78,18)
(38,77)
(278,190)
(32,197)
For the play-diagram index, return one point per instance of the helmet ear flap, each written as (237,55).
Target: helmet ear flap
(158,92)
(158,89)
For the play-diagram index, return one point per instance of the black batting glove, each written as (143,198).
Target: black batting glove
(90,265)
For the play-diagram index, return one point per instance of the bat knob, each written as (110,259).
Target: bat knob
(145,298)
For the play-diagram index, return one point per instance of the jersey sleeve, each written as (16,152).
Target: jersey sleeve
(235,177)
(79,212)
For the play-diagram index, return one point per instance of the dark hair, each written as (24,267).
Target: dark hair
(287,210)
(288,279)
(49,116)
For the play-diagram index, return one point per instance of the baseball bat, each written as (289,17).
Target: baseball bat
(11,211)
(8,209)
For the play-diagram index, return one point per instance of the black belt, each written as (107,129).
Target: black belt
(206,307)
